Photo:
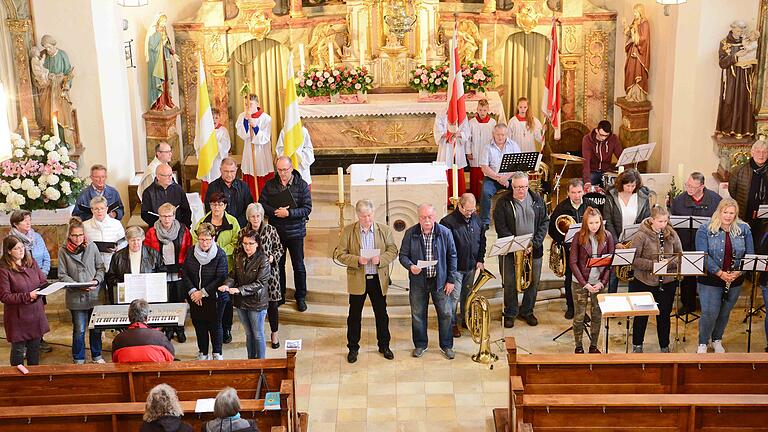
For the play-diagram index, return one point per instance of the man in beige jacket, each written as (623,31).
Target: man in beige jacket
(367,249)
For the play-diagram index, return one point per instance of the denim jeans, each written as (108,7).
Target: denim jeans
(490,187)
(568,279)
(205,329)
(419,298)
(29,347)
(296,248)
(511,308)
(714,311)
(459,295)
(253,324)
(80,319)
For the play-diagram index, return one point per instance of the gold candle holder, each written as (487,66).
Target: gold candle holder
(454,201)
(341,205)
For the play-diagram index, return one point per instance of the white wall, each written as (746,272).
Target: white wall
(685,76)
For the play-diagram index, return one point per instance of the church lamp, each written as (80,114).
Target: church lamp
(668,3)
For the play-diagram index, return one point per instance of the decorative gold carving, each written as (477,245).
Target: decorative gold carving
(362,135)
(424,136)
(216,51)
(469,41)
(596,49)
(189,50)
(259,25)
(528,14)
(489,7)
(596,76)
(395,131)
(570,41)
(18,26)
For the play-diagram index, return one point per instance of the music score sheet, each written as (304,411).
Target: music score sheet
(149,286)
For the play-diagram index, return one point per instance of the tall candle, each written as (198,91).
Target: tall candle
(330,54)
(680,174)
(424,55)
(455,170)
(340,174)
(25,125)
(301,56)
(362,57)
(55,125)
(485,51)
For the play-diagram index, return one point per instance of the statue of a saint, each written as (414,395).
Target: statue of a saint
(469,40)
(323,35)
(54,84)
(734,116)
(160,59)
(638,49)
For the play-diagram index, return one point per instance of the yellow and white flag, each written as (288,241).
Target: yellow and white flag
(206,144)
(292,133)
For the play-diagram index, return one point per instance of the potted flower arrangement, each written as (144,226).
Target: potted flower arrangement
(317,85)
(478,77)
(430,81)
(355,83)
(38,176)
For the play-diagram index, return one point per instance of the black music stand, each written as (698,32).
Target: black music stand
(636,154)
(621,257)
(755,264)
(569,239)
(692,263)
(524,162)
(689,223)
(762,213)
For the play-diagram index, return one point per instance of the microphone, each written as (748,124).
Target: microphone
(370,176)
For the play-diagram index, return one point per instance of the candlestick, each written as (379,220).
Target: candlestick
(424,55)
(455,170)
(362,57)
(485,51)
(341,205)
(301,56)
(340,174)
(25,125)
(55,125)
(330,54)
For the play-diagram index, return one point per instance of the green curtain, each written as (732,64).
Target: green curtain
(262,64)
(525,60)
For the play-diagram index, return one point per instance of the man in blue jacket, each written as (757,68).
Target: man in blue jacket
(422,243)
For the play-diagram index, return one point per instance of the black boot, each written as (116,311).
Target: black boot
(227,336)
(180,336)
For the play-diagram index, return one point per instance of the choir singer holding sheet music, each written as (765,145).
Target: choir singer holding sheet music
(518,212)
(696,201)
(136,258)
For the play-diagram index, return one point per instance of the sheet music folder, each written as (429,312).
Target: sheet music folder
(513,162)
(283,199)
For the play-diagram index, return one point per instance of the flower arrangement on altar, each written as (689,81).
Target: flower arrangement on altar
(478,77)
(355,79)
(39,175)
(328,81)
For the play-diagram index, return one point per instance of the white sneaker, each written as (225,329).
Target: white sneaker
(99,360)
(217,356)
(717,345)
(201,356)
(702,349)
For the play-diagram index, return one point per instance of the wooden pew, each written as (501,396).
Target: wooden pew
(117,417)
(737,373)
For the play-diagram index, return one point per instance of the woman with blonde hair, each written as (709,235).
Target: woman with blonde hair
(592,240)
(163,411)
(524,128)
(726,239)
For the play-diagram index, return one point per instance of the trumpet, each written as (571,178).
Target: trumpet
(478,319)
(557,256)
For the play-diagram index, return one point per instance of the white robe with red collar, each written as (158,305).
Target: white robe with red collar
(259,146)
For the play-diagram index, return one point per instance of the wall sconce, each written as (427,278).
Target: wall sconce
(668,3)
(132,3)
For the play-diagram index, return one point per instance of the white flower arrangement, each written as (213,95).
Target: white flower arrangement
(39,175)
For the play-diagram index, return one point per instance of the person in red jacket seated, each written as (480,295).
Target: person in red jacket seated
(139,343)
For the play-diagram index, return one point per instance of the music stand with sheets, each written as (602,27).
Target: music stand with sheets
(524,162)
(625,305)
(636,154)
(691,263)
(755,264)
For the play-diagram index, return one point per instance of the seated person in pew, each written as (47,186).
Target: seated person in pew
(139,343)
(227,412)
(163,412)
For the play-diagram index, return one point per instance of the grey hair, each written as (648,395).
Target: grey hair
(759,145)
(227,403)
(285,158)
(99,199)
(500,126)
(50,40)
(363,204)
(134,231)
(254,208)
(228,161)
(575,182)
(699,177)
(519,175)
(466,197)
(425,206)
(138,311)
(162,401)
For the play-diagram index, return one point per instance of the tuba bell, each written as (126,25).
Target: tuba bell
(625,273)
(478,319)
(557,256)
(523,271)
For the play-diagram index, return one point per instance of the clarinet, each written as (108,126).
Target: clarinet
(661,252)
(728,284)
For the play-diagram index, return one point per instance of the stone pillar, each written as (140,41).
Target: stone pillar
(296,9)
(161,126)
(634,124)
(568,86)
(220,96)
(19,32)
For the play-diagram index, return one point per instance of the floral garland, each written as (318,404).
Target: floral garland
(478,77)
(39,175)
(327,81)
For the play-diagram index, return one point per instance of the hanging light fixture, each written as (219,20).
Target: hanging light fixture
(132,3)
(668,3)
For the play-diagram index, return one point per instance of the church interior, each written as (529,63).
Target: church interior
(355,126)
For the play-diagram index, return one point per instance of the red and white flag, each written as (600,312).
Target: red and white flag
(550,104)
(457,112)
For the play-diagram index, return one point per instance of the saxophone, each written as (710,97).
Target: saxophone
(478,319)
(557,258)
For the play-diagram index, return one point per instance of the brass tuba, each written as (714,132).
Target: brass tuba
(625,273)
(478,319)
(523,271)
(557,256)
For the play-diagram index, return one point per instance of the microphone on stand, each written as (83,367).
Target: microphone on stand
(370,176)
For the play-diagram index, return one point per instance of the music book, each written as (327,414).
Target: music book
(283,199)
(600,261)
(151,287)
(272,401)
(293,344)
(370,253)
(614,304)
(108,246)
(206,405)
(642,302)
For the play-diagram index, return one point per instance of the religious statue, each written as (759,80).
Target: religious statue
(323,35)
(737,59)
(469,41)
(638,49)
(52,73)
(160,58)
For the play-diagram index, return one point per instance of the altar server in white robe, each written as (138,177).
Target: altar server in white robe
(525,129)
(306,154)
(445,151)
(256,133)
(480,135)
(224,144)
